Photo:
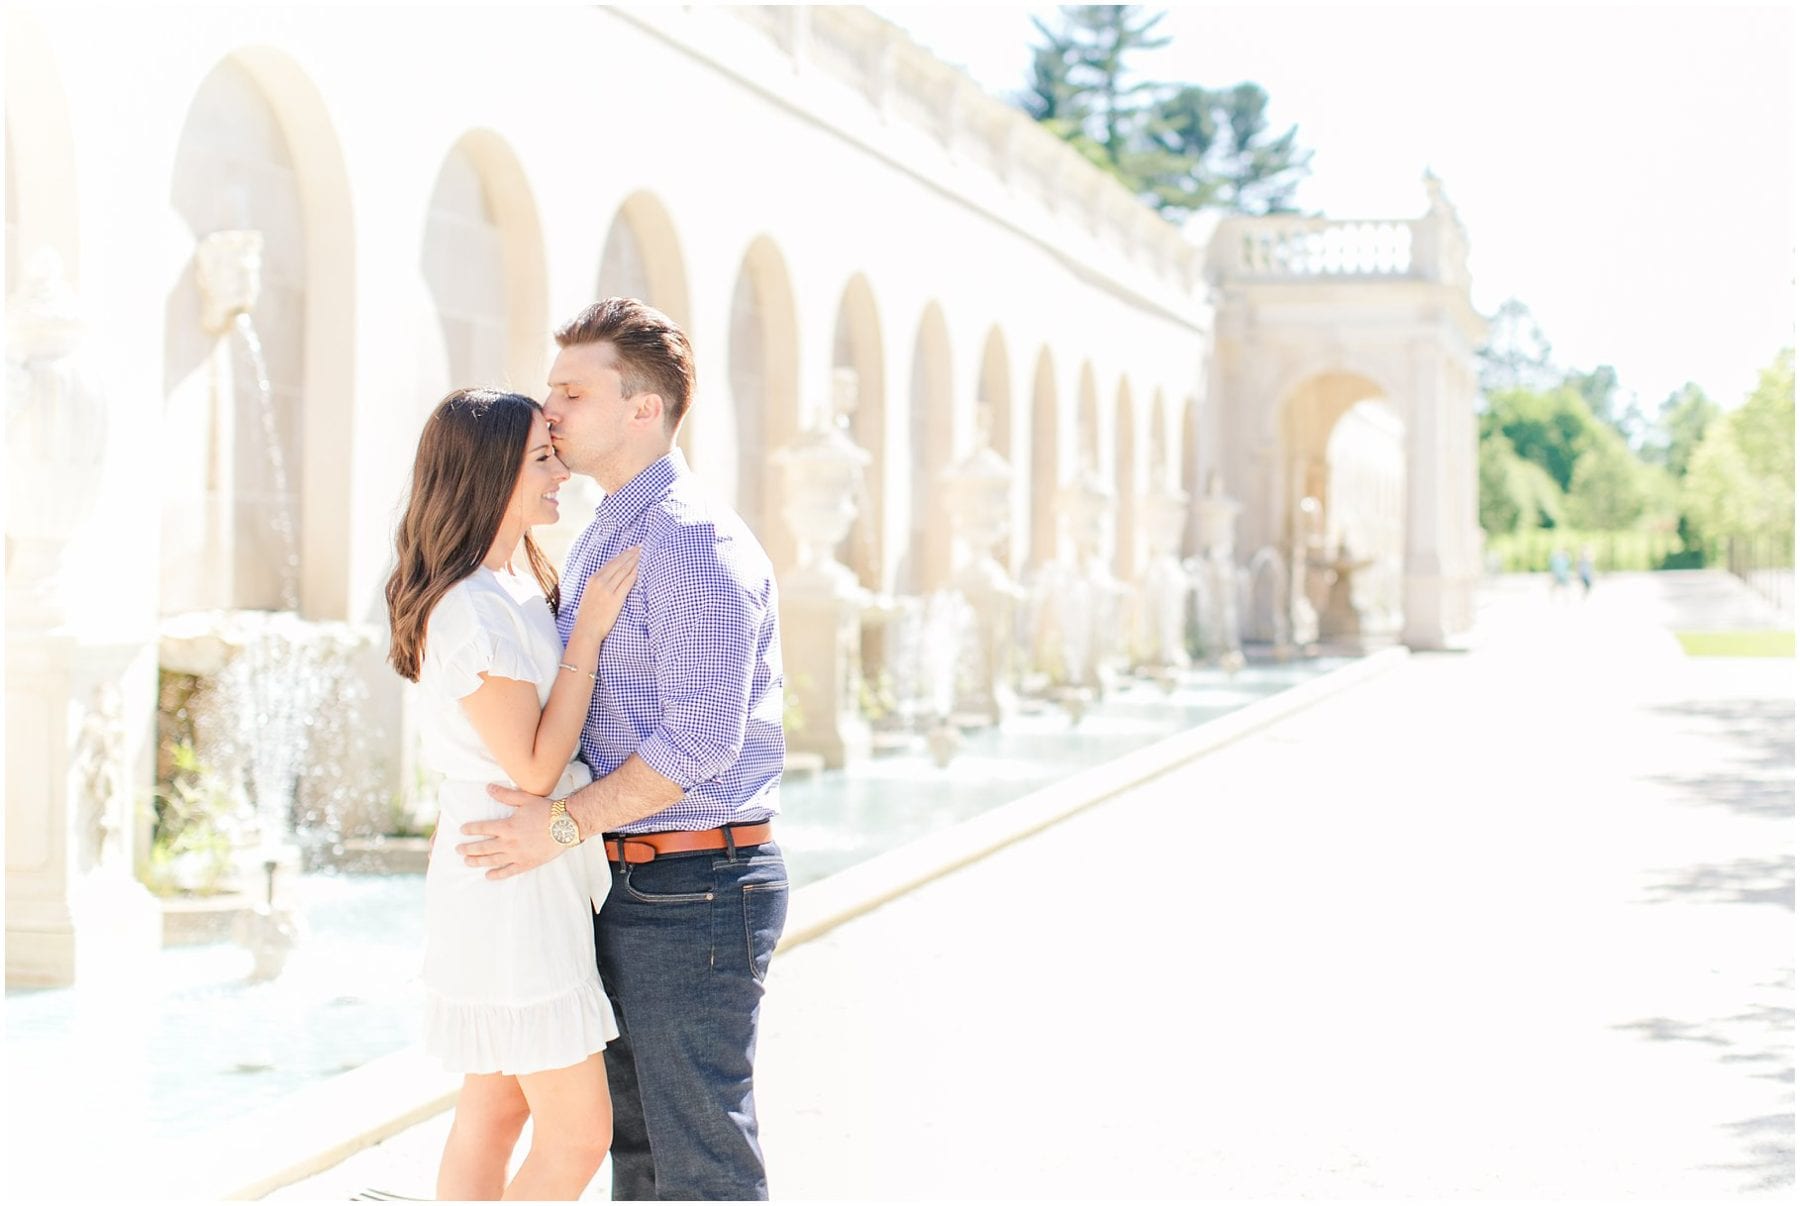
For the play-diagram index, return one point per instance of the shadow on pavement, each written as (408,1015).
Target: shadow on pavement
(1762,1035)
(1762,729)
(1741,881)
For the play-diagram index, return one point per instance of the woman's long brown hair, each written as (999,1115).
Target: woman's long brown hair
(464,475)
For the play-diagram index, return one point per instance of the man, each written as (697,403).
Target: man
(684,739)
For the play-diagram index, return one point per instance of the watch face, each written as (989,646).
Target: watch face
(563,831)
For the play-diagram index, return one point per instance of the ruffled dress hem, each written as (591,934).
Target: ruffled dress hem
(488,1037)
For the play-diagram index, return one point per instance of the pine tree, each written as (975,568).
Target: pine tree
(1179,148)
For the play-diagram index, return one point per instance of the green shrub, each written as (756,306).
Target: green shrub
(1529,551)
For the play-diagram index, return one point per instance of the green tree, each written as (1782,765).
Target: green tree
(1217,150)
(1179,148)
(1550,428)
(1051,96)
(1740,480)
(1514,494)
(1681,424)
(1607,490)
(1516,355)
(1103,37)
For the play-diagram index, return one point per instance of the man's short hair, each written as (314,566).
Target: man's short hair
(653,352)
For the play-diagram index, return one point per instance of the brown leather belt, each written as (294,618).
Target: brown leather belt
(647,847)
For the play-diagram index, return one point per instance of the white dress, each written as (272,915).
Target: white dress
(510,980)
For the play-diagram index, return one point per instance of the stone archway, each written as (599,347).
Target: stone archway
(483,261)
(1187,465)
(1087,421)
(856,345)
(41,209)
(1344,456)
(931,440)
(763,371)
(993,393)
(1304,301)
(1125,482)
(1045,467)
(257,153)
(524,274)
(642,258)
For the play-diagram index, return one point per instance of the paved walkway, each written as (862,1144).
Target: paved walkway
(1517,922)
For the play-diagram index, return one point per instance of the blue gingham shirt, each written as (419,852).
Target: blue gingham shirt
(690,676)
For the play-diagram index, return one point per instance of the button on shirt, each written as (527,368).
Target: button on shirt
(690,676)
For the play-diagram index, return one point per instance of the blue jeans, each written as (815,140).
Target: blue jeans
(684,943)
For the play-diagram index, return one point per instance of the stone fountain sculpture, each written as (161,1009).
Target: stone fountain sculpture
(1305,551)
(205,528)
(822,603)
(74,909)
(1215,579)
(977,496)
(1159,636)
(274,694)
(1342,622)
(1075,601)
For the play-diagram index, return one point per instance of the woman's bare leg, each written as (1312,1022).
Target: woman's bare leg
(490,1113)
(571,1128)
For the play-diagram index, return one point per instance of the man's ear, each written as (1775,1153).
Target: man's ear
(649,409)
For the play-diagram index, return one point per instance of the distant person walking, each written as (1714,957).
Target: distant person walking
(1584,569)
(1559,574)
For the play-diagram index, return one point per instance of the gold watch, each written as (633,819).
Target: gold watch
(563,830)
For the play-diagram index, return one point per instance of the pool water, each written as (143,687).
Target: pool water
(195,1043)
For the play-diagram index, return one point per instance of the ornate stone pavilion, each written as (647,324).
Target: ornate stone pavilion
(237,282)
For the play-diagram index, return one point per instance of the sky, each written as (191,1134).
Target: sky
(1626,171)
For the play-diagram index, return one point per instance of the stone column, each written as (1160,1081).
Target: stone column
(822,603)
(1425,625)
(80,707)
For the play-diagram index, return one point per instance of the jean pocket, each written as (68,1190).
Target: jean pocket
(765,913)
(669,882)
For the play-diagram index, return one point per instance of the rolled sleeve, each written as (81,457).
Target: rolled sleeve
(702,627)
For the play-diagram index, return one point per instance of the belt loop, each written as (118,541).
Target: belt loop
(623,868)
(730,842)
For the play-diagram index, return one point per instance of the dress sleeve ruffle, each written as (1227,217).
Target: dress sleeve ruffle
(473,633)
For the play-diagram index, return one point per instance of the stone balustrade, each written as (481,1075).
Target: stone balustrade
(1284,247)
(1300,246)
(909,86)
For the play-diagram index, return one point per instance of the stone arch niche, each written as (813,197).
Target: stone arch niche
(856,345)
(931,441)
(1188,465)
(1046,474)
(483,260)
(642,259)
(763,371)
(1343,447)
(40,163)
(1125,481)
(1365,459)
(256,508)
(993,392)
(1087,421)
(993,395)
(1158,465)
(13,265)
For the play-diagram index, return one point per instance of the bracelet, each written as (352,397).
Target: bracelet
(577,670)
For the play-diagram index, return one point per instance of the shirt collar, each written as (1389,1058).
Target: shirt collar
(655,482)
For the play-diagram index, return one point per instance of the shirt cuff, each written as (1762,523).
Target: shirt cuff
(661,756)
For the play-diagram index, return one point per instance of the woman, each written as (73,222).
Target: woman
(513,998)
